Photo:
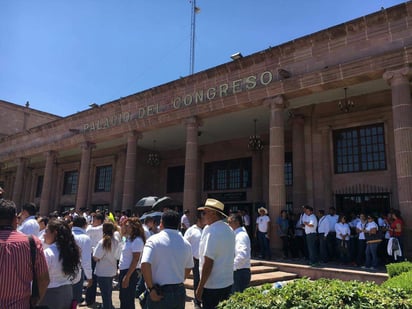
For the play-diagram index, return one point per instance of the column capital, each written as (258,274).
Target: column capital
(276,102)
(192,121)
(87,145)
(50,153)
(396,77)
(298,119)
(136,134)
(22,160)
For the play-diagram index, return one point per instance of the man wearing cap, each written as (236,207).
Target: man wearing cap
(29,225)
(216,256)
(165,280)
(263,232)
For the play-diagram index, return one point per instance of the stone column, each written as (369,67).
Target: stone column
(83,186)
(402,127)
(47,183)
(129,187)
(190,193)
(326,170)
(277,196)
(19,182)
(257,189)
(119,180)
(299,169)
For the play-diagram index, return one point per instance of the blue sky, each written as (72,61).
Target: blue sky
(62,55)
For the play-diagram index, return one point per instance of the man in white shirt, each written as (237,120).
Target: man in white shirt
(193,235)
(216,252)
(241,267)
(29,225)
(184,221)
(332,247)
(323,231)
(311,224)
(361,243)
(165,278)
(84,243)
(95,232)
(262,233)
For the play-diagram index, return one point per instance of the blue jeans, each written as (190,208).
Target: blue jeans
(174,297)
(106,287)
(323,248)
(212,297)
(360,260)
(241,279)
(311,243)
(127,295)
(264,245)
(372,255)
(78,289)
(196,277)
(91,291)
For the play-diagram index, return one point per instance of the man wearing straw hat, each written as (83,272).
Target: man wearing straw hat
(216,256)
(263,232)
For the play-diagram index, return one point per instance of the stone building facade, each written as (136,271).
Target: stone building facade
(318,147)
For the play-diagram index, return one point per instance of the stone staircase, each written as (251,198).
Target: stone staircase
(262,272)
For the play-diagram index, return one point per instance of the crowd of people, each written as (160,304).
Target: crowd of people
(363,240)
(78,251)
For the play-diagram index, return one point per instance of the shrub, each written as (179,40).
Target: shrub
(322,293)
(395,269)
(403,281)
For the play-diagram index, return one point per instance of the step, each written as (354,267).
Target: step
(258,269)
(264,275)
(271,277)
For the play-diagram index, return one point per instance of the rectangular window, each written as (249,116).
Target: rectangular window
(228,174)
(70,182)
(378,203)
(175,179)
(288,169)
(359,149)
(39,186)
(103,179)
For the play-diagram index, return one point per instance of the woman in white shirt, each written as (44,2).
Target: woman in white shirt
(63,258)
(373,239)
(106,254)
(342,238)
(130,262)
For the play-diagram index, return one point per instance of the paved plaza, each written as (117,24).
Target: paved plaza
(116,302)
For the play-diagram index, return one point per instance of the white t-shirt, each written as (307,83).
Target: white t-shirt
(311,219)
(332,221)
(361,226)
(342,229)
(193,235)
(242,249)
(84,243)
(129,248)
(95,233)
(29,226)
(218,243)
(263,222)
(107,264)
(57,276)
(169,255)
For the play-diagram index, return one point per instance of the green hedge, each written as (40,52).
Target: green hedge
(322,293)
(395,269)
(403,281)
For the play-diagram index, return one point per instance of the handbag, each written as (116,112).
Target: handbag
(34,287)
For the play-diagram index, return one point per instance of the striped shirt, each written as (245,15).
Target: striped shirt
(16,269)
